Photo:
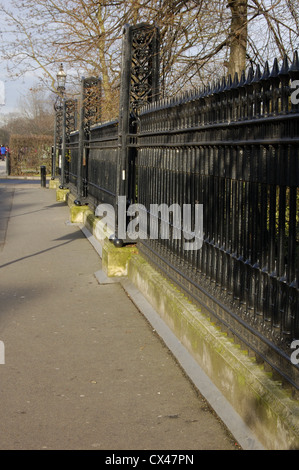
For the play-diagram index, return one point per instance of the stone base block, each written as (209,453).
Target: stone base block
(61,194)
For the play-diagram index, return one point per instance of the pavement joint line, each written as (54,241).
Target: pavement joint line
(198,377)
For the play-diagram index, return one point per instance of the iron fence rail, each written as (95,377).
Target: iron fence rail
(71,159)
(101,163)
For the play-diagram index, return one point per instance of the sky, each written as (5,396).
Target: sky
(12,90)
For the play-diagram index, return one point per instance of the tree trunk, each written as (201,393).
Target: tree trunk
(238,35)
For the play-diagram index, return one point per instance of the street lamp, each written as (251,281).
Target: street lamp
(61,79)
(58,107)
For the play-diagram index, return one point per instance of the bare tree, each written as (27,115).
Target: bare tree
(200,39)
(35,116)
(238,36)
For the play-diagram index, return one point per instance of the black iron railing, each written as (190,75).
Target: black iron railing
(233,149)
(102,163)
(72,155)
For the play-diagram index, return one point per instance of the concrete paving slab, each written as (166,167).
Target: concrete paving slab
(83,368)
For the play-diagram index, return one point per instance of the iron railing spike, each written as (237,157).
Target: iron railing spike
(258,74)
(223,84)
(275,69)
(294,68)
(250,76)
(229,83)
(266,73)
(218,86)
(235,81)
(285,66)
(242,79)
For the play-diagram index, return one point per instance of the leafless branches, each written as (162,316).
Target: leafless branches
(200,39)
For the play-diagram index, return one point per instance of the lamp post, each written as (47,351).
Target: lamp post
(58,108)
(61,79)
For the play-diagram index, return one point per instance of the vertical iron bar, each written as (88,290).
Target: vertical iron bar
(81,143)
(63,147)
(54,154)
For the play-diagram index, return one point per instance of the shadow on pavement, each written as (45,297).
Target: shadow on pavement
(69,238)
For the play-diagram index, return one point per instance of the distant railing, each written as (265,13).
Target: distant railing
(102,163)
(71,157)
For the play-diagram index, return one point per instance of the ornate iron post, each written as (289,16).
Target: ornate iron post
(139,86)
(69,124)
(90,113)
(63,142)
(58,107)
(57,135)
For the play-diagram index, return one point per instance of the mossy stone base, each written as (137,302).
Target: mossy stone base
(61,194)
(267,409)
(115,260)
(78,214)
(54,184)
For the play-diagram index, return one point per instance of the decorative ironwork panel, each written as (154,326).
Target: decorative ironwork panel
(70,109)
(91,102)
(59,124)
(139,86)
(70,116)
(144,86)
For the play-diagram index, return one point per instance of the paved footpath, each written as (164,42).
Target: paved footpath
(83,367)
